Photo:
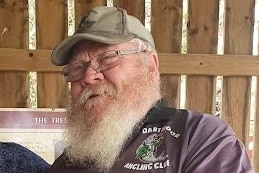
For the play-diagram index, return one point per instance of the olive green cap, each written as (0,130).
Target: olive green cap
(108,25)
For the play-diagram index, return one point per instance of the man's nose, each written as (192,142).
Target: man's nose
(92,75)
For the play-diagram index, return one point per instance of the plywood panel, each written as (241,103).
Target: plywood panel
(13,34)
(82,6)
(202,38)
(166,27)
(51,29)
(238,40)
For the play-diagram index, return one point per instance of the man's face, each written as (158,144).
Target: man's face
(106,106)
(86,51)
(116,77)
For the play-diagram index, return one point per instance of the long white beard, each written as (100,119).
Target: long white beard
(98,136)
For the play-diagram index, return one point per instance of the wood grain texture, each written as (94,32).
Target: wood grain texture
(166,27)
(51,23)
(28,60)
(14,34)
(209,64)
(51,29)
(13,24)
(238,40)
(202,38)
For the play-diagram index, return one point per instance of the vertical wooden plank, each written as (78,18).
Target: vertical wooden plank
(51,22)
(13,34)
(82,6)
(166,27)
(238,40)
(202,38)
(256,134)
(51,29)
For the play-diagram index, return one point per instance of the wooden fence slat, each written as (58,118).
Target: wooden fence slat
(14,33)
(14,16)
(236,90)
(209,64)
(51,29)
(28,60)
(202,38)
(166,27)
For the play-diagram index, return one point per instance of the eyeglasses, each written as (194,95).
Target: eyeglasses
(107,60)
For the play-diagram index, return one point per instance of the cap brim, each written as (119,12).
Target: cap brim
(61,54)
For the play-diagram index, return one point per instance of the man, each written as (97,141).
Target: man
(117,121)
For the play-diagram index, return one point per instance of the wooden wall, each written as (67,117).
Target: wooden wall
(201,64)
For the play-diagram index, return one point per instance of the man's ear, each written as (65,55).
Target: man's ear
(154,64)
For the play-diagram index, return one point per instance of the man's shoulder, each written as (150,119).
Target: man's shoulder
(162,112)
(208,122)
(193,121)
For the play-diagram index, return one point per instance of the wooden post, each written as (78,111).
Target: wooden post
(202,38)
(51,29)
(236,90)
(166,22)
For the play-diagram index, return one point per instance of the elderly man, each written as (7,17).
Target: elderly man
(117,121)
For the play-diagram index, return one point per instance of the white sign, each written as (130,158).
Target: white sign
(40,130)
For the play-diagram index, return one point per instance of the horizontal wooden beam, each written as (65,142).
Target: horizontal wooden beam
(26,60)
(209,64)
(170,63)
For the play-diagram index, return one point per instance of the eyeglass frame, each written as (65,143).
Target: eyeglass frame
(86,65)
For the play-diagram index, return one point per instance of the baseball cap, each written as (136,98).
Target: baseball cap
(108,25)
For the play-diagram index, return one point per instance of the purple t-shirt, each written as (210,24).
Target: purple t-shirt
(176,141)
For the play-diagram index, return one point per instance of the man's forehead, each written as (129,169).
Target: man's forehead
(89,47)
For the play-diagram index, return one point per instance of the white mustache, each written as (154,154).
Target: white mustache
(97,90)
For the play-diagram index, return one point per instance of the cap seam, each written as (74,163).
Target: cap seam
(123,20)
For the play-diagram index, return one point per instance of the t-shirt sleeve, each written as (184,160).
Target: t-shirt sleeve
(212,146)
